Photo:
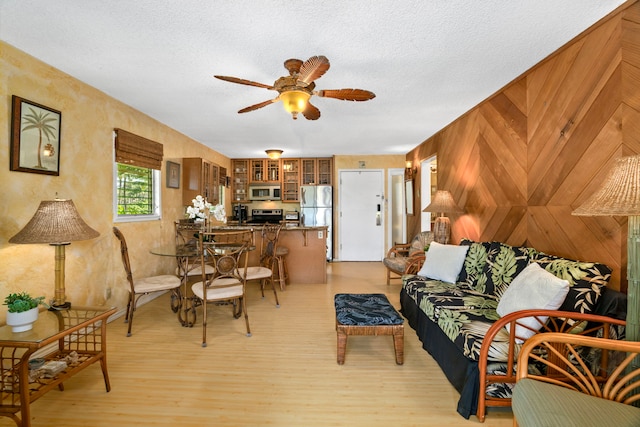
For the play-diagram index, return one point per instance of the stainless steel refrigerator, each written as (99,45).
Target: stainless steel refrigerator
(316,207)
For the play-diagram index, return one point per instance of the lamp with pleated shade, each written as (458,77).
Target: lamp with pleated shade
(58,223)
(619,195)
(442,203)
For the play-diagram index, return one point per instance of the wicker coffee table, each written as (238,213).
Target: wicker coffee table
(368,314)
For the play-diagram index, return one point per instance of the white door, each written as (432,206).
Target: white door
(361,222)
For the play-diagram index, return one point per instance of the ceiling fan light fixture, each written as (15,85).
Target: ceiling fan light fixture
(295,101)
(274,154)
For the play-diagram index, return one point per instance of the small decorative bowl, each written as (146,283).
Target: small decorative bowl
(36,363)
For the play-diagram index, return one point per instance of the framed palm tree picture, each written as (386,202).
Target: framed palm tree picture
(35,137)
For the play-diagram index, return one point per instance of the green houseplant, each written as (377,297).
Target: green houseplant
(22,310)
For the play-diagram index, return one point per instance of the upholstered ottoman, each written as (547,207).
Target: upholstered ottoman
(368,314)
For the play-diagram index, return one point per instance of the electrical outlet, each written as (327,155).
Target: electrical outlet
(320,234)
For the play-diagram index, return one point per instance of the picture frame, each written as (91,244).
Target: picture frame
(173,174)
(408,196)
(35,137)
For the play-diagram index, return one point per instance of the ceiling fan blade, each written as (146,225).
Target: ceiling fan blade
(256,106)
(244,82)
(311,112)
(313,68)
(346,94)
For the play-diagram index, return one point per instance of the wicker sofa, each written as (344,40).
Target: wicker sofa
(459,325)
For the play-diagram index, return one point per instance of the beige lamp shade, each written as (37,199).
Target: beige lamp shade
(56,222)
(619,195)
(620,192)
(442,203)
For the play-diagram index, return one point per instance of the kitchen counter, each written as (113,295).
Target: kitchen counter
(307,258)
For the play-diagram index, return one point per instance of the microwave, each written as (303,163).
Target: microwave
(264,192)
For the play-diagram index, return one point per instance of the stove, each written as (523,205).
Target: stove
(261,216)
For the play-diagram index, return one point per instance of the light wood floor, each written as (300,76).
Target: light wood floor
(284,375)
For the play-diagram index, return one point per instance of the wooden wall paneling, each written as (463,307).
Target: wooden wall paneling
(631,83)
(573,112)
(593,166)
(630,40)
(567,163)
(543,84)
(631,13)
(521,161)
(630,129)
(516,92)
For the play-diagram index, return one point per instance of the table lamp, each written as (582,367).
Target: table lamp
(58,223)
(442,203)
(619,195)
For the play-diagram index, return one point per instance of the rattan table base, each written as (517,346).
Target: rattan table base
(396,330)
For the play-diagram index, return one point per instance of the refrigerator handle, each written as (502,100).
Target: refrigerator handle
(378,216)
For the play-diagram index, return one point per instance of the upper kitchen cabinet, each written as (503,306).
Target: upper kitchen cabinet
(200,177)
(239,180)
(290,180)
(318,171)
(264,170)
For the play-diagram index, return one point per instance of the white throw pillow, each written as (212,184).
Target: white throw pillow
(443,262)
(533,288)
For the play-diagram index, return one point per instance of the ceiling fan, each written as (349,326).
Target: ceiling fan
(295,89)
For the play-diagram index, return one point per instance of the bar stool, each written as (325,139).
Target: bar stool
(283,275)
(270,245)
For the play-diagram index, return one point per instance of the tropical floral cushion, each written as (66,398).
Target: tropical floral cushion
(473,274)
(365,310)
(504,263)
(586,280)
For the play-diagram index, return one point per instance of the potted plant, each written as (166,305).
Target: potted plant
(22,310)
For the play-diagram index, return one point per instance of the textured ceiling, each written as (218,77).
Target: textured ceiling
(428,62)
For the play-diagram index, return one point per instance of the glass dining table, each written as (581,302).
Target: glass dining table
(186,256)
(183,254)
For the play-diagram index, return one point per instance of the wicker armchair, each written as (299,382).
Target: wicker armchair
(571,393)
(407,258)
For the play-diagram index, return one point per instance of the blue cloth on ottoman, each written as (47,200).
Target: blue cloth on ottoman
(366,310)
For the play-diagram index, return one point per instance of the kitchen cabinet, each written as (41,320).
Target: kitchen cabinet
(318,171)
(240,180)
(291,180)
(200,177)
(264,170)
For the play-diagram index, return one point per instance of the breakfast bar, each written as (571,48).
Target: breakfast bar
(307,258)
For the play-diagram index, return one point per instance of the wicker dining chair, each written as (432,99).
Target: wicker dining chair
(228,252)
(187,235)
(268,259)
(145,285)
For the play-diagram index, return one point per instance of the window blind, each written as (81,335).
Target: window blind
(138,151)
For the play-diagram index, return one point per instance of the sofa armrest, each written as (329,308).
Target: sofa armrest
(551,321)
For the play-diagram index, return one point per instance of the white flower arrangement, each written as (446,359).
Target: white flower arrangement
(219,213)
(201,209)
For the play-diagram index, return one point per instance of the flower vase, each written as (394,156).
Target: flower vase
(23,321)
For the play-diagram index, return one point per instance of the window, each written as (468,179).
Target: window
(137,177)
(137,193)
